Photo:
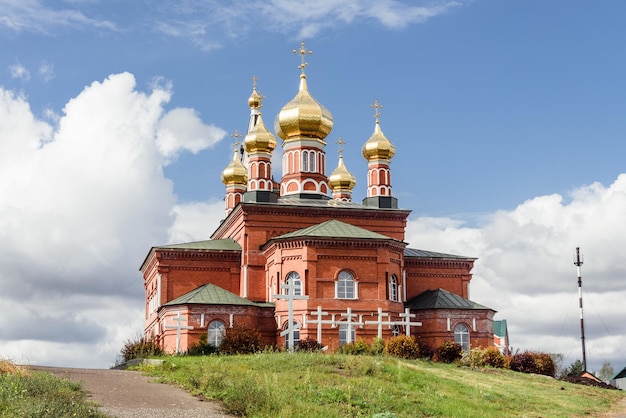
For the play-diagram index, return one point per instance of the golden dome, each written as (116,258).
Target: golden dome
(303,116)
(378,147)
(235,173)
(341,178)
(254,101)
(259,139)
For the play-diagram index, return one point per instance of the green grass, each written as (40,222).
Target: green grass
(331,385)
(40,394)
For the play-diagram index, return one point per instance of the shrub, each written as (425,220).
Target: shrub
(426,351)
(202,347)
(140,348)
(531,362)
(483,356)
(355,348)
(378,347)
(402,346)
(448,352)
(308,344)
(241,340)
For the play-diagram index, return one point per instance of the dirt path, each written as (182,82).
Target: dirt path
(130,394)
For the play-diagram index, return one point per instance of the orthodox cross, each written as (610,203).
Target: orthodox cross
(406,321)
(254,80)
(302,51)
(350,324)
(237,135)
(380,322)
(290,297)
(341,143)
(376,106)
(178,327)
(319,321)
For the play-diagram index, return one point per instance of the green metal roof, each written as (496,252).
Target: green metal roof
(334,229)
(209,294)
(619,375)
(442,299)
(227,244)
(412,252)
(499,328)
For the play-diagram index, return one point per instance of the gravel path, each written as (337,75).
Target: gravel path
(130,394)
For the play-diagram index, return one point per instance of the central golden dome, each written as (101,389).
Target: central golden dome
(303,116)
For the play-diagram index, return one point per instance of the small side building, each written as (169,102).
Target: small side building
(619,379)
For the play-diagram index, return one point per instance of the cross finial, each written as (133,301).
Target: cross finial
(254,80)
(341,143)
(236,135)
(376,106)
(302,51)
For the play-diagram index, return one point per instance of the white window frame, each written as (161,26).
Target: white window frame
(355,286)
(215,333)
(393,288)
(299,288)
(462,336)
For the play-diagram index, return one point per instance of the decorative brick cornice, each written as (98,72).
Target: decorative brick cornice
(461,264)
(346,257)
(198,255)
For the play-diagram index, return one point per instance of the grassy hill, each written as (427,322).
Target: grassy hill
(331,385)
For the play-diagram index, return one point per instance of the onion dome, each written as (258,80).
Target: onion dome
(378,147)
(254,101)
(341,178)
(259,139)
(235,173)
(303,116)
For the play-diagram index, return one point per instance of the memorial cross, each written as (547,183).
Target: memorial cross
(350,324)
(178,327)
(380,322)
(290,297)
(319,321)
(407,315)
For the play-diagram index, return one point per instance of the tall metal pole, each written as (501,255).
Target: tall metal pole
(578,263)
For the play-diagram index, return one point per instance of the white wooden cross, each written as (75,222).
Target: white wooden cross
(319,321)
(406,321)
(179,326)
(350,324)
(290,297)
(380,322)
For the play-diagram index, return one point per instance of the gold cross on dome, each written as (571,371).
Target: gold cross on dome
(236,135)
(376,106)
(341,143)
(254,80)
(302,51)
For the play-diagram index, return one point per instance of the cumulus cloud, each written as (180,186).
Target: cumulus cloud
(81,202)
(46,71)
(525,267)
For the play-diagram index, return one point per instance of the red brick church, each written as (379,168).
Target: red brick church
(297,258)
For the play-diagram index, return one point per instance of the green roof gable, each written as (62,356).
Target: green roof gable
(412,252)
(209,294)
(334,229)
(499,328)
(442,299)
(227,244)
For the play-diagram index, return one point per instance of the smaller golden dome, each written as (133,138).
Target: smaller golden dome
(259,139)
(378,147)
(303,116)
(341,178)
(235,173)
(254,101)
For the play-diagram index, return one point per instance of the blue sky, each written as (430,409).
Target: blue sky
(115,116)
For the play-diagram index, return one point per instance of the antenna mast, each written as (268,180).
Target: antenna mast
(578,263)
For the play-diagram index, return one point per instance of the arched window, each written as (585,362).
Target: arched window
(312,162)
(297,283)
(346,336)
(305,161)
(215,333)
(296,335)
(393,288)
(461,336)
(345,286)
(395,331)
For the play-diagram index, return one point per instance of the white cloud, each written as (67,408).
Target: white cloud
(46,71)
(525,267)
(196,221)
(81,203)
(182,130)
(20,72)
(34,16)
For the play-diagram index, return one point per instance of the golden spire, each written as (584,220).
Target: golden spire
(378,147)
(341,179)
(259,139)
(303,116)
(235,173)
(254,101)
